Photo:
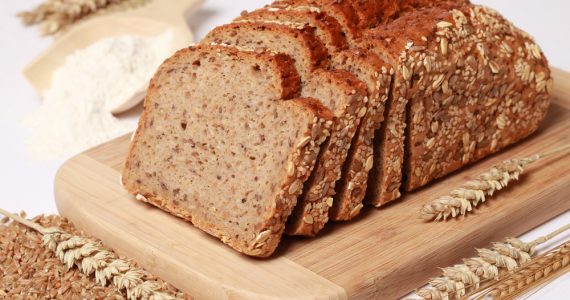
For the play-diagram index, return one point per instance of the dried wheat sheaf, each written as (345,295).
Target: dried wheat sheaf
(92,259)
(54,16)
(464,199)
(537,272)
(490,265)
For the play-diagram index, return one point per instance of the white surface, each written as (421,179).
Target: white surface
(28,185)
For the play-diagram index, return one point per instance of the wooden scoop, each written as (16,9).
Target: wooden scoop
(151,19)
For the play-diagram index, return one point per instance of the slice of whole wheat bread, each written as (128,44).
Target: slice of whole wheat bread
(232,159)
(345,95)
(377,74)
(312,211)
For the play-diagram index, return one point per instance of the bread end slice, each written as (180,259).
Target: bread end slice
(230,159)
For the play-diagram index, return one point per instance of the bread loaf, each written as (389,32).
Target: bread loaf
(408,91)
(475,84)
(232,159)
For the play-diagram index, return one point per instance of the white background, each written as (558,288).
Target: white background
(27,184)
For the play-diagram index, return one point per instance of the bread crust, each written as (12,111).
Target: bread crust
(341,10)
(450,105)
(326,26)
(316,51)
(312,211)
(352,187)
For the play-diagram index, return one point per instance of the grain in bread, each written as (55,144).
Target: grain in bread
(341,92)
(231,159)
(345,95)
(377,75)
(473,80)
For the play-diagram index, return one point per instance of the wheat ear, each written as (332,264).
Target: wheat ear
(57,15)
(537,272)
(91,259)
(508,256)
(462,200)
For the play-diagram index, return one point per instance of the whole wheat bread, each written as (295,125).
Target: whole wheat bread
(231,159)
(341,92)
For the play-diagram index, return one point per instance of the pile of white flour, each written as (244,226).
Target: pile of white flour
(75,114)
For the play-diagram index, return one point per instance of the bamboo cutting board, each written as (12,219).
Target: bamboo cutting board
(383,254)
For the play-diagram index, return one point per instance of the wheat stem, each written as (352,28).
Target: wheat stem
(92,259)
(464,199)
(489,265)
(538,271)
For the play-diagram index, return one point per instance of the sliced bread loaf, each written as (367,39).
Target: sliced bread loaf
(377,74)
(231,159)
(327,28)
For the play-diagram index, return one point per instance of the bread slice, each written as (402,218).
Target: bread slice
(345,95)
(312,211)
(377,74)
(297,40)
(327,29)
(341,10)
(483,86)
(384,179)
(232,159)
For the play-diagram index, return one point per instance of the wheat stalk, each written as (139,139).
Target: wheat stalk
(502,258)
(54,16)
(538,271)
(92,259)
(462,200)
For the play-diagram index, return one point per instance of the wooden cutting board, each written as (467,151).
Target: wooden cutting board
(383,254)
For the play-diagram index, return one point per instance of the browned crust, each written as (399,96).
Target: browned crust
(302,158)
(509,106)
(311,213)
(373,12)
(352,187)
(325,25)
(341,10)
(443,112)
(305,35)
